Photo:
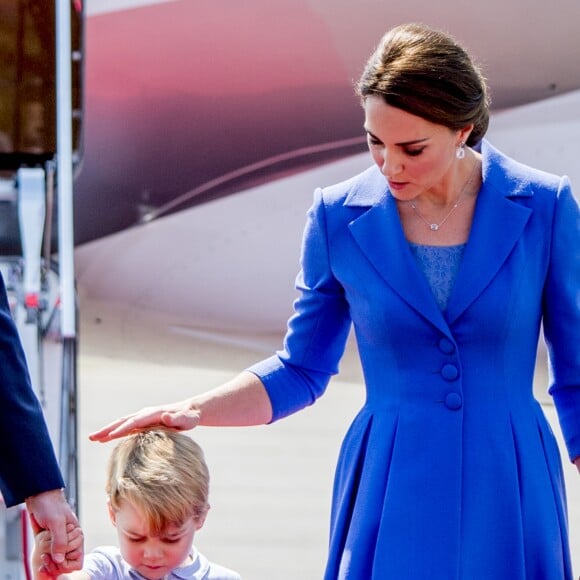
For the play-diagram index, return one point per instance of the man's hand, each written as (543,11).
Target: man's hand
(43,566)
(50,511)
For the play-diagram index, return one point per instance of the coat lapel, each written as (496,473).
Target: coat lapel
(498,224)
(379,234)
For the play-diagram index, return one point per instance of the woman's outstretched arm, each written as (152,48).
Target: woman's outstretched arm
(243,401)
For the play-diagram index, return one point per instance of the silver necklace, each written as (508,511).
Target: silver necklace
(434,226)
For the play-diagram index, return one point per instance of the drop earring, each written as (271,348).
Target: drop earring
(460,151)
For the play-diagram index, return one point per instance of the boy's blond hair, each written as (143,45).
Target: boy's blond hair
(162,473)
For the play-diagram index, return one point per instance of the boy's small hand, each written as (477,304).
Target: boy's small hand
(73,558)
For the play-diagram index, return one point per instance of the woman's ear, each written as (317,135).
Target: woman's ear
(465,132)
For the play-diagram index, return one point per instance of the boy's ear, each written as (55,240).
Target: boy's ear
(112,513)
(200,519)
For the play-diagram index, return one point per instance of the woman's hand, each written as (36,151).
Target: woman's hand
(181,416)
(240,402)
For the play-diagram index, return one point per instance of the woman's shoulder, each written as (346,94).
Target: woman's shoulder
(523,178)
(544,192)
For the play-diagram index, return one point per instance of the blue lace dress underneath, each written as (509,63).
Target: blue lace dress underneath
(440,265)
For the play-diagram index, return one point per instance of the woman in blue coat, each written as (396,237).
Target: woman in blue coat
(447,257)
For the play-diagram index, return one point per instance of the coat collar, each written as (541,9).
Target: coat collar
(497,225)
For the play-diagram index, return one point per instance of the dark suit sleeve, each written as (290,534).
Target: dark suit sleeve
(28,464)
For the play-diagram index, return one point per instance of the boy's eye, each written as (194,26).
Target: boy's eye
(136,540)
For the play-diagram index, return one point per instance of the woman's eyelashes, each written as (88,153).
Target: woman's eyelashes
(414,152)
(373,141)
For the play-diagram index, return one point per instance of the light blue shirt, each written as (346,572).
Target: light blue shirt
(106,563)
(440,265)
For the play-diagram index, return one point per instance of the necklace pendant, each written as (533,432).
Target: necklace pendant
(434,227)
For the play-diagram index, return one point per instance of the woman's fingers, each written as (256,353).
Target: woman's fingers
(178,416)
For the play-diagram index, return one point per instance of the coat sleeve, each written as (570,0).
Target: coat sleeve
(317,332)
(28,464)
(562,316)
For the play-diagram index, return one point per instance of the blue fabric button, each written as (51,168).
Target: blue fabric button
(446,346)
(449,372)
(453,401)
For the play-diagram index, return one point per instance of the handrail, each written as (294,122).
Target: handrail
(68,451)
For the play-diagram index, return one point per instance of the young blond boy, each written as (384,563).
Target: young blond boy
(158,486)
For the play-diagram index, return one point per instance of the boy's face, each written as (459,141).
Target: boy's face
(152,555)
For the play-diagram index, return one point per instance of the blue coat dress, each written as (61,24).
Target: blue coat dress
(450,469)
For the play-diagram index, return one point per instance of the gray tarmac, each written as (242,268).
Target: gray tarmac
(271,485)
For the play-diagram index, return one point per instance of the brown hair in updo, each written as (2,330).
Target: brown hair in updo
(425,72)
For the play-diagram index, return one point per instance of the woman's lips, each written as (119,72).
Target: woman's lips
(398,185)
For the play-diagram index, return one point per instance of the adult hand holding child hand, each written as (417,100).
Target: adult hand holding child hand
(44,567)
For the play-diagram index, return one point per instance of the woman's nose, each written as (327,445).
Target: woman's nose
(391,165)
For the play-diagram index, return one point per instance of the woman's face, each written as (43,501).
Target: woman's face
(416,156)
